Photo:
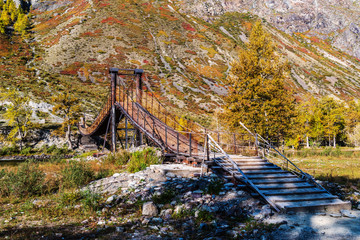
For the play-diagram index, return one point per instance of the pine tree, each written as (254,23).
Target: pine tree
(257,96)
(68,107)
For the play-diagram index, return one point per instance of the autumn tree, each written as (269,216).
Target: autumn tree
(22,24)
(332,118)
(67,106)
(18,114)
(257,95)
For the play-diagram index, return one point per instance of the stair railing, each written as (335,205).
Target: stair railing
(222,159)
(269,152)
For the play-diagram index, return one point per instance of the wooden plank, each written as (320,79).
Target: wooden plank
(259,168)
(276,175)
(284,185)
(292,191)
(302,197)
(250,172)
(320,205)
(269,181)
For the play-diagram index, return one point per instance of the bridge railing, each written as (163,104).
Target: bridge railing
(140,107)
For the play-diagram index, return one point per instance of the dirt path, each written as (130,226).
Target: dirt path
(313,226)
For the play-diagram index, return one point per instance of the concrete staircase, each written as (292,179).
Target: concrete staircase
(284,189)
(88,143)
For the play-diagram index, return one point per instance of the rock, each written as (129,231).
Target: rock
(168,213)
(197,194)
(240,193)
(203,226)
(58,234)
(112,199)
(221,193)
(156,220)
(120,229)
(347,213)
(321,214)
(335,215)
(228,185)
(170,175)
(101,222)
(149,209)
(178,209)
(145,221)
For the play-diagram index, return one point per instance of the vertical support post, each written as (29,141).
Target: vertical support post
(190,144)
(234,143)
(113,73)
(139,85)
(166,135)
(207,148)
(126,133)
(218,138)
(256,144)
(177,142)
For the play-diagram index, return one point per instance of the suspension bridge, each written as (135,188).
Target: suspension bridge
(246,158)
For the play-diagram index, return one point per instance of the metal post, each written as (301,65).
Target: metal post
(177,142)
(166,135)
(234,143)
(218,137)
(256,144)
(113,73)
(139,85)
(126,133)
(190,144)
(207,148)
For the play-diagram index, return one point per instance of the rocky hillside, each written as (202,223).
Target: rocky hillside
(186,48)
(335,21)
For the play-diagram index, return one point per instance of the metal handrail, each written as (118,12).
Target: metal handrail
(270,146)
(245,179)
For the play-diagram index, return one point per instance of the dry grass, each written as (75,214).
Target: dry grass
(341,169)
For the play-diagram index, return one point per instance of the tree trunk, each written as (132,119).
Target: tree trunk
(329,140)
(307,141)
(68,136)
(334,140)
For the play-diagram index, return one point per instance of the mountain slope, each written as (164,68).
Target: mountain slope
(186,54)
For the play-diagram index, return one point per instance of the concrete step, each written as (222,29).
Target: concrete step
(291,191)
(302,197)
(332,205)
(296,185)
(271,176)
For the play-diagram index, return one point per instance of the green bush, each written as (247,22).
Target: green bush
(27,181)
(26,151)
(164,197)
(76,174)
(204,216)
(70,198)
(119,158)
(8,151)
(103,173)
(90,200)
(142,159)
(327,151)
(215,186)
